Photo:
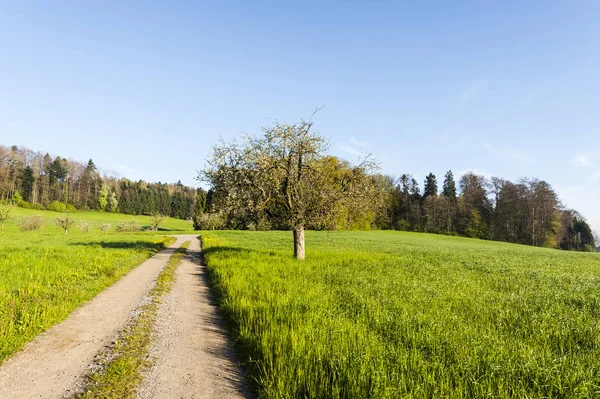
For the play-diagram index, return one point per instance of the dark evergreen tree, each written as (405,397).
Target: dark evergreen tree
(430,188)
(27,182)
(449,187)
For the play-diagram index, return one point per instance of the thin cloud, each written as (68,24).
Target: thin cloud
(472,92)
(509,153)
(358,143)
(350,150)
(586,159)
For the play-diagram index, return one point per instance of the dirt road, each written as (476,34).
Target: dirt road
(52,365)
(192,356)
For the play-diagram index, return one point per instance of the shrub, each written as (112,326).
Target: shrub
(37,207)
(133,225)
(71,208)
(85,226)
(24,204)
(105,227)
(31,223)
(209,221)
(17,199)
(156,220)
(64,222)
(56,206)
(6,209)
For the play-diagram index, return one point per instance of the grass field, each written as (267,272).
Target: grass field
(96,219)
(46,274)
(392,315)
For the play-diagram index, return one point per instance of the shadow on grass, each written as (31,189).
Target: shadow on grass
(144,245)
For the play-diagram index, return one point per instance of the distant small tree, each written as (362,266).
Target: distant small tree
(128,227)
(156,220)
(64,222)
(31,223)
(5,213)
(105,227)
(85,226)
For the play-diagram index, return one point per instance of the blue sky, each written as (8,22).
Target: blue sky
(145,88)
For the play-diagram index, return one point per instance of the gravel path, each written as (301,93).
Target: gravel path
(193,358)
(52,365)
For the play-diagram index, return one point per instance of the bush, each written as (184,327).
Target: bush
(105,227)
(209,221)
(31,223)
(85,226)
(24,204)
(71,208)
(128,226)
(56,206)
(37,207)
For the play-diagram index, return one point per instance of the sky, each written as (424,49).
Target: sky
(146,88)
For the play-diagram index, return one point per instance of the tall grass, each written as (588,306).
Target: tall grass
(393,315)
(44,275)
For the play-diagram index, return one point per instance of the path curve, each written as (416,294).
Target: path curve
(191,352)
(52,365)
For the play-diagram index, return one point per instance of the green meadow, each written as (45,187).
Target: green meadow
(405,315)
(46,274)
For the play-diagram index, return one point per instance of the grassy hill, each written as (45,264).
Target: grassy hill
(391,314)
(96,219)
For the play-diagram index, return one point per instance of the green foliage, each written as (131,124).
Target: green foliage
(6,212)
(209,221)
(113,203)
(103,197)
(17,199)
(395,315)
(57,206)
(31,223)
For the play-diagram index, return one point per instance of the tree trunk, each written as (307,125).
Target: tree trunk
(299,242)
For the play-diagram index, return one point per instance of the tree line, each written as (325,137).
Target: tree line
(285,180)
(38,180)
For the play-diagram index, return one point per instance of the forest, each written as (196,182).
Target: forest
(40,181)
(528,211)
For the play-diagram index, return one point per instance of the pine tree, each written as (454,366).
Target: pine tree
(430,188)
(27,183)
(449,188)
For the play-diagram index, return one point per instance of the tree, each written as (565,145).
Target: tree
(5,213)
(199,209)
(27,183)
(156,220)
(103,197)
(430,188)
(113,202)
(449,187)
(64,222)
(283,175)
